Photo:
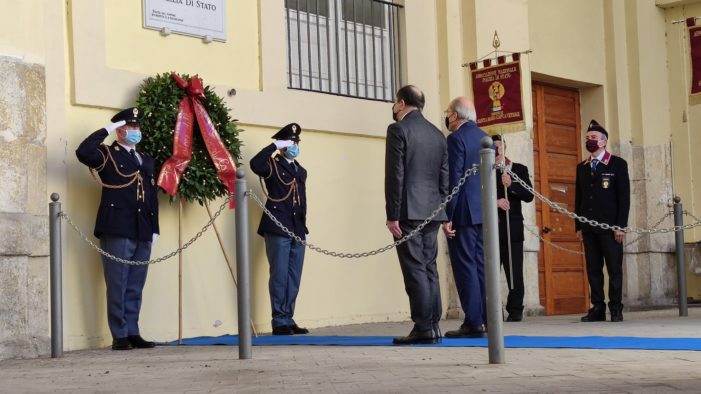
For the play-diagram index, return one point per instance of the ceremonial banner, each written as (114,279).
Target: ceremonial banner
(497,94)
(695,54)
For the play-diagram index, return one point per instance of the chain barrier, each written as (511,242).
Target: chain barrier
(470,172)
(692,215)
(206,227)
(592,222)
(577,252)
(553,244)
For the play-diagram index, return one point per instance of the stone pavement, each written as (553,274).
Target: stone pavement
(303,369)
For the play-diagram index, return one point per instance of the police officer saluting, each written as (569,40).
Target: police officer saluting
(602,193)
(127,220)
(284,180)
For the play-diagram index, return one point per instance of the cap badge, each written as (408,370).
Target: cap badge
(135,112)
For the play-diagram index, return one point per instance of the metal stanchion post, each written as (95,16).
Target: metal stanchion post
(242,266)
(491,251)
(681,267)
(55,263)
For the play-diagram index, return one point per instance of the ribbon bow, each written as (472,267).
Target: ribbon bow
(174,168)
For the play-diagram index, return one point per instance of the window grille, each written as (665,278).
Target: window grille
(344,47)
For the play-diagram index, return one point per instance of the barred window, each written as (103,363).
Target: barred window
(344,47)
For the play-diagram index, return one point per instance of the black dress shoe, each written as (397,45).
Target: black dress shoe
(121,344)
(298,330)
(466,331)
(616,315)
(140,343)
(417,337)
(283,330)
(515,317)
(595,314)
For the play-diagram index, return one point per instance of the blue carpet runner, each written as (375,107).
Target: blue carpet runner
(593,342)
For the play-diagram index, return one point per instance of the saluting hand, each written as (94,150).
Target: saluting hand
(393,227)
(503,204)
(283,143)
(114,126)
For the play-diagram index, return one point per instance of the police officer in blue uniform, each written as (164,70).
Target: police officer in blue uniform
(602,193)
(127,220)
(284,181)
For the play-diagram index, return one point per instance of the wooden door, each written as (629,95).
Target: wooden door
(562,276)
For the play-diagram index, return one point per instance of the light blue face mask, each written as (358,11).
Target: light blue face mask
(133,137)
(292,151)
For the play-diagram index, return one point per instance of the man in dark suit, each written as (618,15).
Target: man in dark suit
(127,220)
(602,193)
(287,200)
(464,227)
(511,201)
(416,181)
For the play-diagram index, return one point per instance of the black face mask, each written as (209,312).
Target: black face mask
(447,122)
(592,146)
(394,115)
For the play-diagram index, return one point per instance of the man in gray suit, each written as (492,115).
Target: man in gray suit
(416,181)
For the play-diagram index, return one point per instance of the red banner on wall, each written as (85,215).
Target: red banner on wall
(497,92)
(695,54)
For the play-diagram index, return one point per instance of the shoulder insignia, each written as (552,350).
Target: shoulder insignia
(116,147)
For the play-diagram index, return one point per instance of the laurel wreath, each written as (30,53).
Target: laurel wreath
(158,99)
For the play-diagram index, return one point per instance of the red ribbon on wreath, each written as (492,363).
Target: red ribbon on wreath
(173,168)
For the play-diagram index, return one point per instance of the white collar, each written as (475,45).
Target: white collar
(127,148)
(601,155)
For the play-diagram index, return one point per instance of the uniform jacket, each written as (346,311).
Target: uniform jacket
(277,173)
(121,213)
(463,151)
(416,169)
(603,195)
(515,194)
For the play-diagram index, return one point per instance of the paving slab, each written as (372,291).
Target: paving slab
(334,369)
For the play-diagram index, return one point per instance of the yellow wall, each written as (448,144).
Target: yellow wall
(343,153)
(685,118)
(567,38)
(234,63)
(588,45)
(23,31)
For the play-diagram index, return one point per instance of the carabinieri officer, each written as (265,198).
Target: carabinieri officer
(127,220)
(602,193)
(284,180)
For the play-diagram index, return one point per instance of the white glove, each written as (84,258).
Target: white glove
(114,126)
(154,239)
(283,143)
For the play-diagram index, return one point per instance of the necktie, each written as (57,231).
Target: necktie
(594,163)
(132,152)
(294,166)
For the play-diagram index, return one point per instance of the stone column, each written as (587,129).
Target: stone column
(24,240)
